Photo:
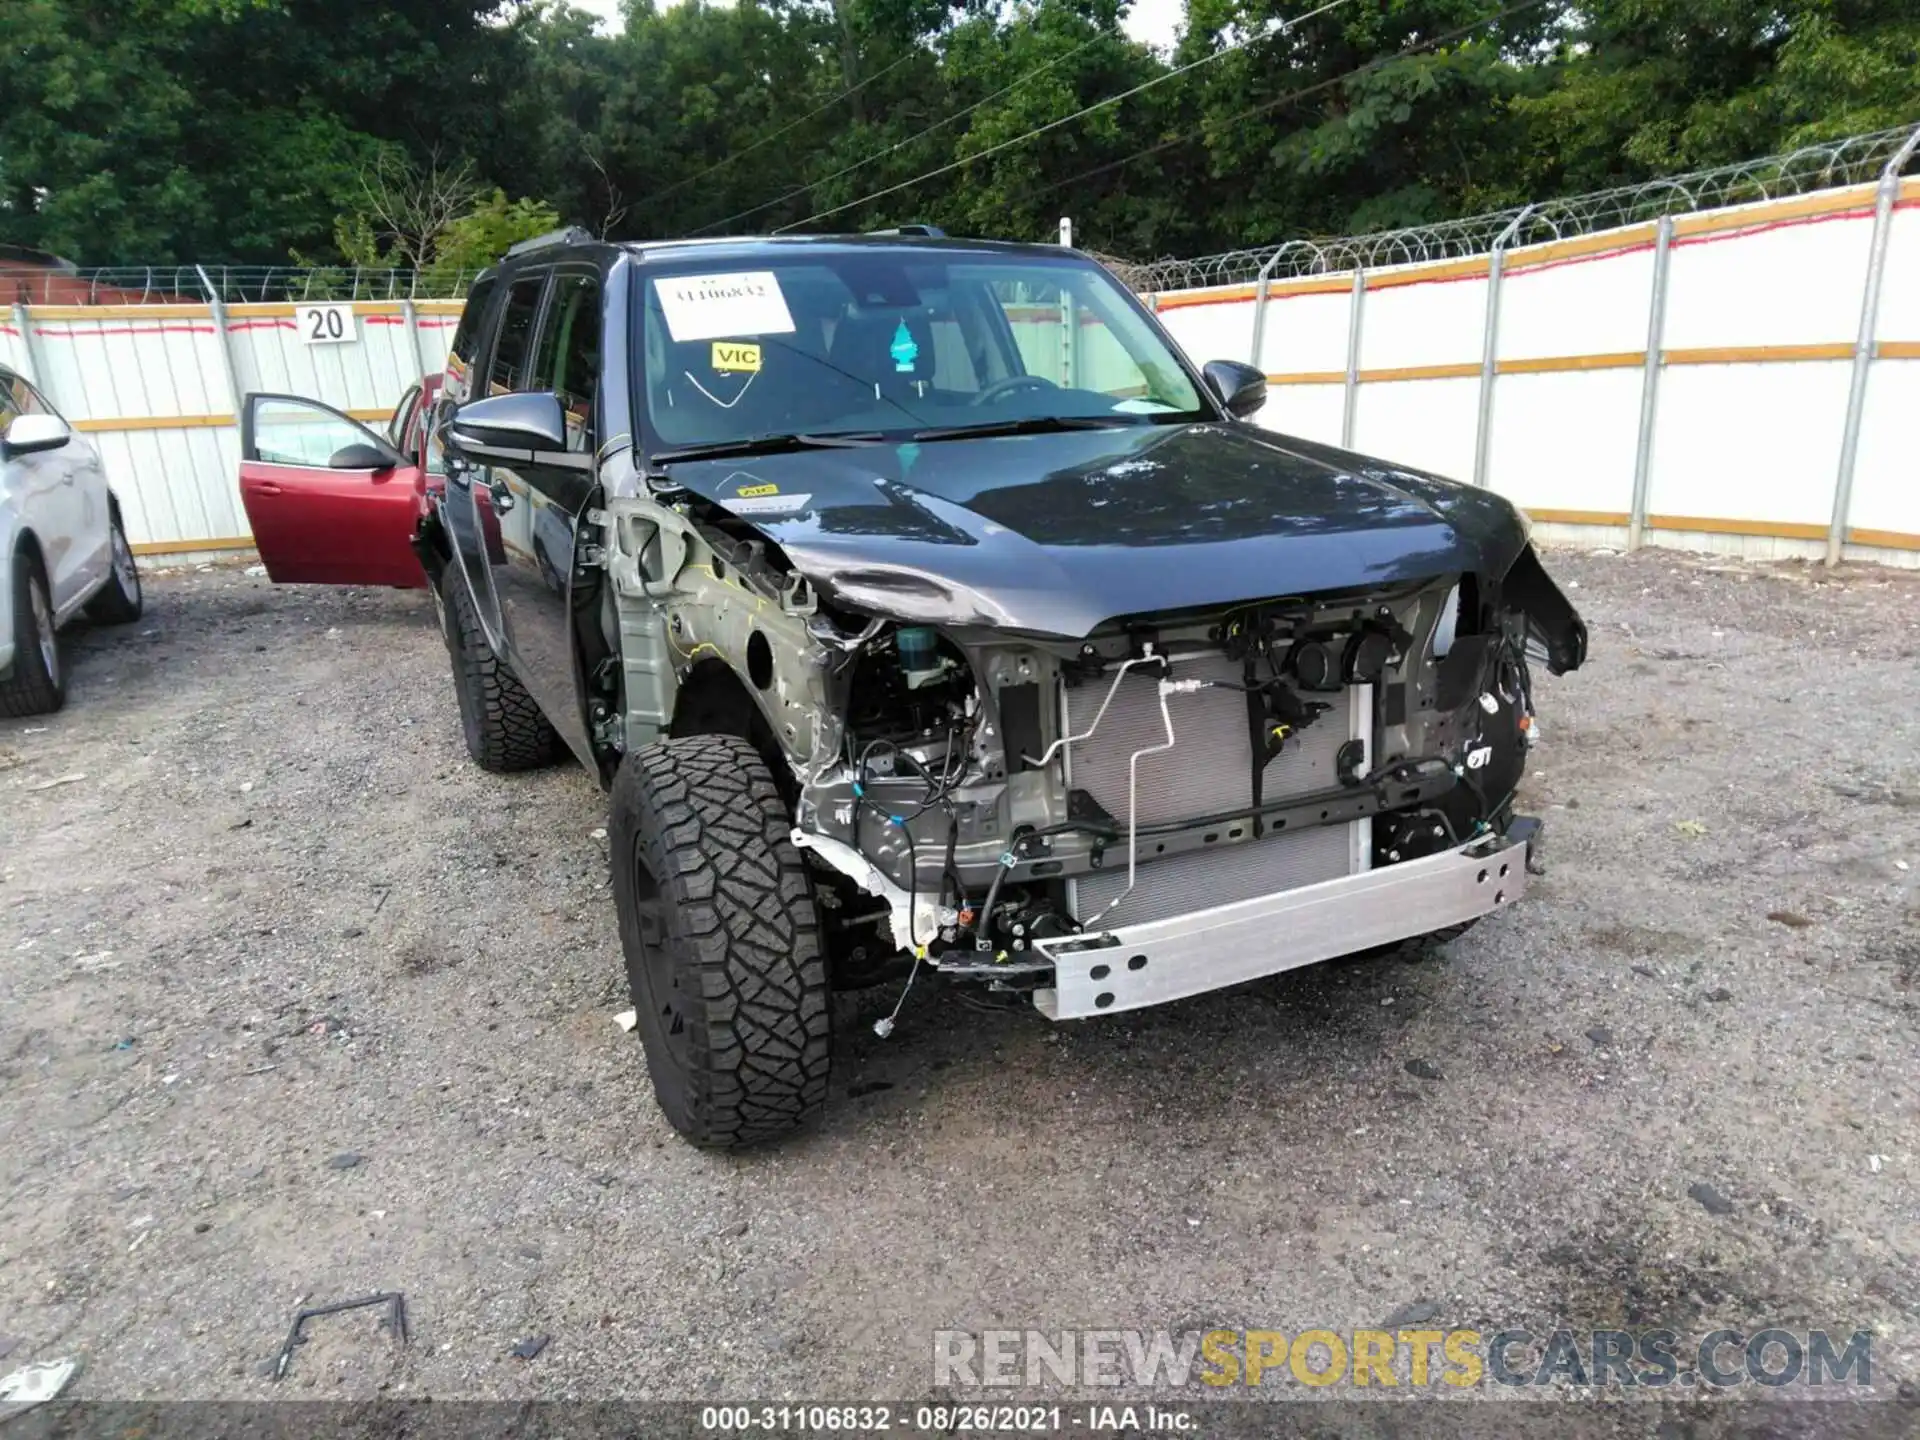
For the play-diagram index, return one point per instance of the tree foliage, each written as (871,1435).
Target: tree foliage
(145,131)
(476,239)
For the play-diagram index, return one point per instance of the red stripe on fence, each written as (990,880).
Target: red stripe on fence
(1520,272)
(1741,232)
(124,330)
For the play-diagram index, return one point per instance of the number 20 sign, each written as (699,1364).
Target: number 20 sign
(325,324)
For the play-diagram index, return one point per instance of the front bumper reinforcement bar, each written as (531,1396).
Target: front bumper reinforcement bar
(1099,973)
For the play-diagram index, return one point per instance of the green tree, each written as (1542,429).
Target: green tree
(182,130)
(482,235)
(245,130)
(1649,87)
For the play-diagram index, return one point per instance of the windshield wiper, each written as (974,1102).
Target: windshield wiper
(767,445)
(1032,425)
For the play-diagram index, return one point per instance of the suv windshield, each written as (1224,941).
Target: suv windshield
(873,339)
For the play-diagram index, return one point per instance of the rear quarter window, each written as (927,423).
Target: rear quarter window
(466,335)
(516,331)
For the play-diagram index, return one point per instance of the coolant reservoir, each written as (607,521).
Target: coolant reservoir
(919,649)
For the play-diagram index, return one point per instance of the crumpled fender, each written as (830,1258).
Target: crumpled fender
(1551,618)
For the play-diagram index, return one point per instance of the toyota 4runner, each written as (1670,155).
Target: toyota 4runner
(924,609)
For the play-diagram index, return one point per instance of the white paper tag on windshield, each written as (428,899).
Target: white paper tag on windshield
(767,504)
(718,307)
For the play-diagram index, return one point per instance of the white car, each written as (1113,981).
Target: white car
(62,547)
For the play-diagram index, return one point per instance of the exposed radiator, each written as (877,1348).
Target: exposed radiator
(1206,772)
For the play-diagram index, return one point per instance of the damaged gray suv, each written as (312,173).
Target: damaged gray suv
(924,609)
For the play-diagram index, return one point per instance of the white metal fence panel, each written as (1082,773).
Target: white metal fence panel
(148,388)
(1306,330)
(13,341)
(1580,305)
(1584,421)
(1691,377)
(1886,492)
(155,390)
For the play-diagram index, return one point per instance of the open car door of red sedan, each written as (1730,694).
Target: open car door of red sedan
(330,502)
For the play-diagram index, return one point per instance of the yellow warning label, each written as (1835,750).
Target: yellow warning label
(747,492)
(732,355)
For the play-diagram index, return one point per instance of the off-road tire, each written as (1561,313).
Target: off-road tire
(121,599)
(724,954)
(504,728)
(32,687)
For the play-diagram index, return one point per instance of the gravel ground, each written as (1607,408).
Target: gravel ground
(296,1004)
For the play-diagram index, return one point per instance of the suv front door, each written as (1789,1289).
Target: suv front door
(488,486)
(528,512)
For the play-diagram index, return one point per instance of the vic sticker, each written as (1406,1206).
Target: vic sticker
(733,355)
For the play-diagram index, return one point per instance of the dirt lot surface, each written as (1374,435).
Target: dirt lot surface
(296,1004)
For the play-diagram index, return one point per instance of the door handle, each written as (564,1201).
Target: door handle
(266,487)
(502,495)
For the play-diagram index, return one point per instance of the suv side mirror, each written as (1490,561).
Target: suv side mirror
(30,434)
(524,423)
(1242,388)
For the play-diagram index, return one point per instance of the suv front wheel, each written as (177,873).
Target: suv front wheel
(501,722)
(722,941)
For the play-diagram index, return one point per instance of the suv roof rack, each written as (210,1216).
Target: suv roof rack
(571,235)
(933,232)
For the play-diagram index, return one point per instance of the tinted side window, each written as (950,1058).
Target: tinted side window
(403,415)
(516,328)
(466,335)
(431,417)
(567,358)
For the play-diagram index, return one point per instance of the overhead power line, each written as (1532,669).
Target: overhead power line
(1279,28)
(794,125)
(1413,48)
(901,145)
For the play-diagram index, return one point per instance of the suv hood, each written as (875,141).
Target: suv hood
(1056,533)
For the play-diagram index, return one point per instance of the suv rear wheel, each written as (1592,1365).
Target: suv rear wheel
(38,682)
(722,940)
(502,723)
